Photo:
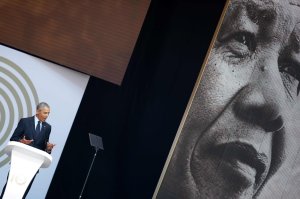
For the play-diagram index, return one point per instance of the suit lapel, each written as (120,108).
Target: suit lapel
(34,134)
(32,127)
(42,133)
(43,129)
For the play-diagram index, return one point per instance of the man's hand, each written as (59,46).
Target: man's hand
(24,141)
(49,147)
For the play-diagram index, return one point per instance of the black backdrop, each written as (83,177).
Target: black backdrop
(138,120)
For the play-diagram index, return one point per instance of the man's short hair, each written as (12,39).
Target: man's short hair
(42,105)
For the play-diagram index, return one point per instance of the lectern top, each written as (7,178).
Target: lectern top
(28,150)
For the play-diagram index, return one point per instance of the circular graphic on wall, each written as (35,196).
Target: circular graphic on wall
(18,98)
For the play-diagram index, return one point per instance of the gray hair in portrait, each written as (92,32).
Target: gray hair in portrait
(42,105)
(240,135)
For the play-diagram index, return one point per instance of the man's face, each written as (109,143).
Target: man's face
(234,137)
(43,113)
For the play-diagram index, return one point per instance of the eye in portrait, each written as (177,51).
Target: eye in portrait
(240,137)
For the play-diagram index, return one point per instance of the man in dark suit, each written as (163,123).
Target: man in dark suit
(34,131)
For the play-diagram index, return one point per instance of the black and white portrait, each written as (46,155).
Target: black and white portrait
(241,134)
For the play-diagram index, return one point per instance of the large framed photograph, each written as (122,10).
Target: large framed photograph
(240,135)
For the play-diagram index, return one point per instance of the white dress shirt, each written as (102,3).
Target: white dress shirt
(36,120)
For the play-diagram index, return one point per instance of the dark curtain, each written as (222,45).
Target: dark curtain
(139,119)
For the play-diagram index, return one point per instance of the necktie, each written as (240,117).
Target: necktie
(38,128)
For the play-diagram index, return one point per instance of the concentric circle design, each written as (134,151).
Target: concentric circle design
(18,98)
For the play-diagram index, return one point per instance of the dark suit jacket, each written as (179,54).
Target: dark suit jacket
(26,127)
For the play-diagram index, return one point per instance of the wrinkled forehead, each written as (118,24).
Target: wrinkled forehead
(284,11)
(277,18)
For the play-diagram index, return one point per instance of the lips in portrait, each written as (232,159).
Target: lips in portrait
(241,161)
(237,165)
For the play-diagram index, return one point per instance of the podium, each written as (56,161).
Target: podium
(25,162)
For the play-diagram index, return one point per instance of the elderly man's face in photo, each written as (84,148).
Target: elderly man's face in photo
(234,138)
